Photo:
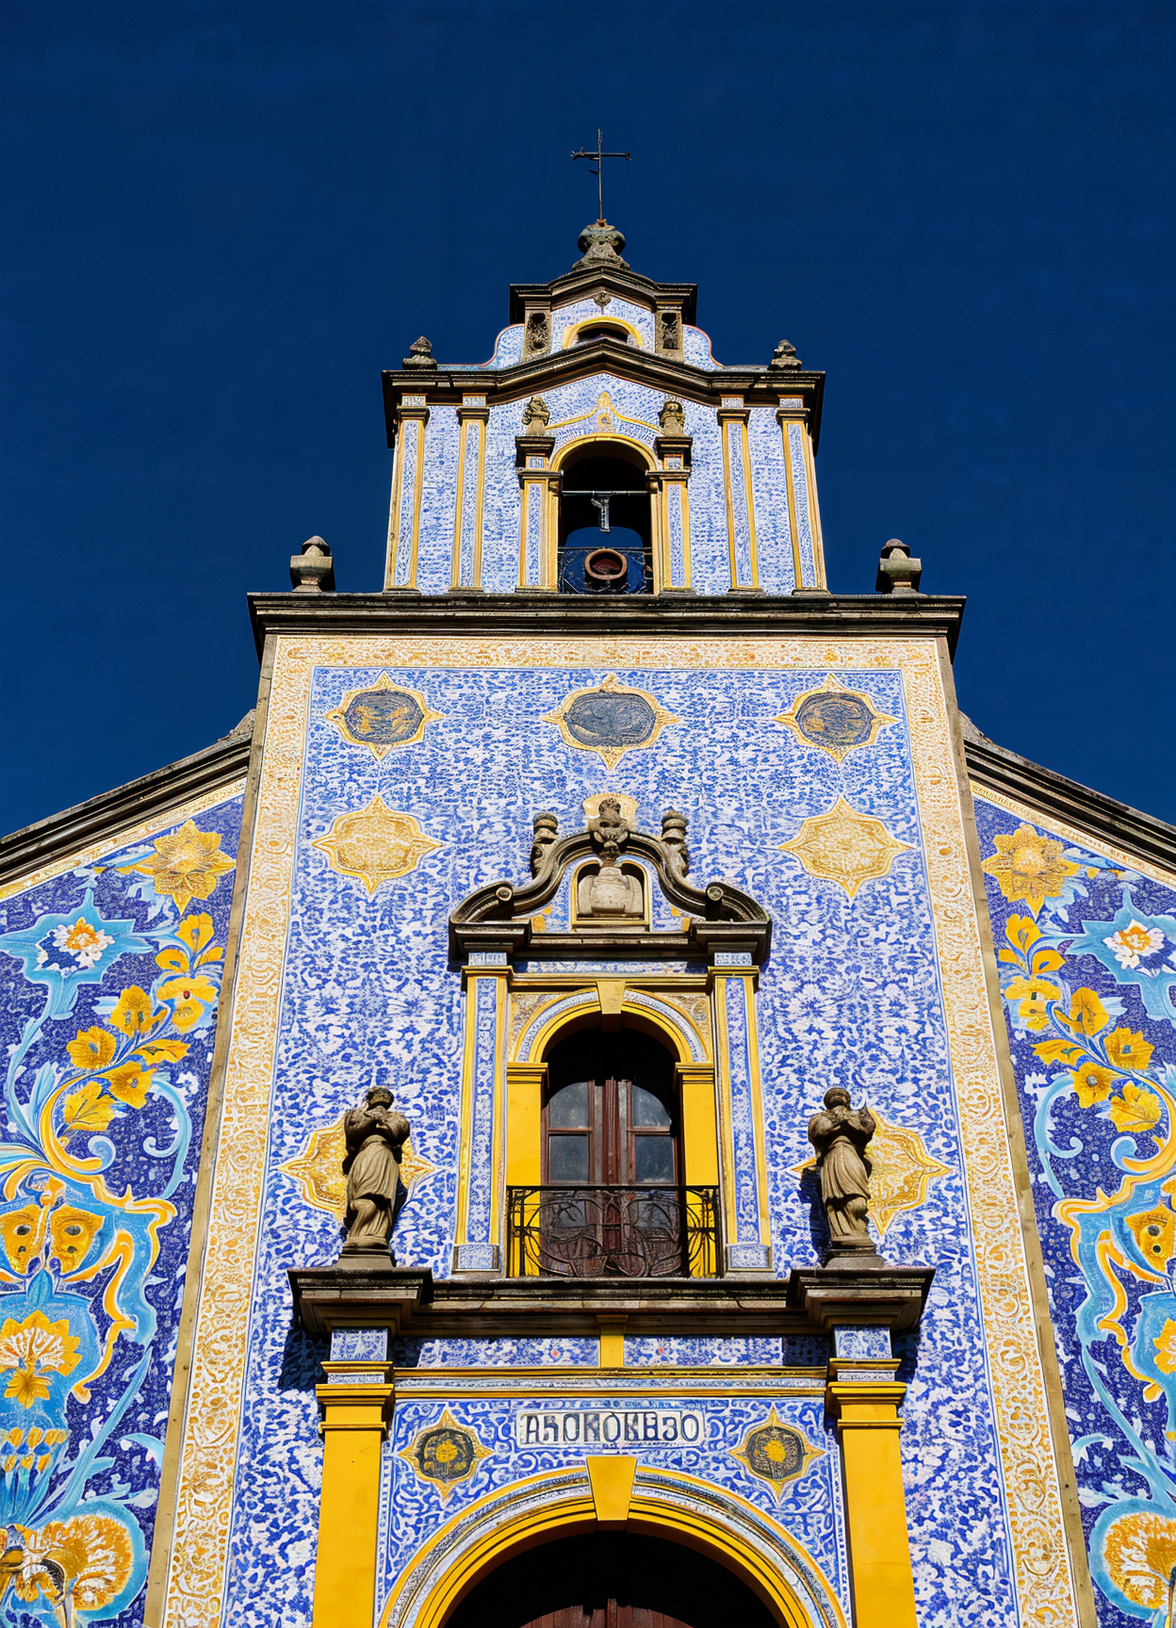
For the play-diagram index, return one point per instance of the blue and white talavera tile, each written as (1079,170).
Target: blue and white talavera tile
(809,1508)
(851,997)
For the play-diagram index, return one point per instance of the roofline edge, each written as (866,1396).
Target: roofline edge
(58,835)
(1050,793)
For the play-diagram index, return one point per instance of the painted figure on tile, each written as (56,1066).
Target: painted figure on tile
(375,1135)
(840,1135)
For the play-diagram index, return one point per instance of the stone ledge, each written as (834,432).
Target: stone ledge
(407,1300)
(578,616)
(890,1297)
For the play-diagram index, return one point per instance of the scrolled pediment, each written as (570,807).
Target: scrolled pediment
(609,916)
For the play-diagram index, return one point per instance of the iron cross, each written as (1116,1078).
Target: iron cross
(598,158)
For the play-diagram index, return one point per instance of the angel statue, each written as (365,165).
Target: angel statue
(375,1136)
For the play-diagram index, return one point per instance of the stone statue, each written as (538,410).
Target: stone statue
(840,1135)
(375,1137)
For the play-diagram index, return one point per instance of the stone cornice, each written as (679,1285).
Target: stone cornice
(761,386)
(581,282)
(61,835)
(355,1292)
(546,615)
(1053,796)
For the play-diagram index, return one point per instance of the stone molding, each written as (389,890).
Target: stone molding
(576,616)
(407,1300)
(1053,796)
(658,370)
(61,835)
(890,1297)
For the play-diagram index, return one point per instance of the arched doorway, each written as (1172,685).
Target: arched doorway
(610,1580)
(605,522)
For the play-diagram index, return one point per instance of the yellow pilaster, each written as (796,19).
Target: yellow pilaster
(866,1410)
(612,1341)
(355,1422)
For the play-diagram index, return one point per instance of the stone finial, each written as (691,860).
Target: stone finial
(313,571)
(674,839)
(601,245)
(546,828)
(536,416)
(420,354)
(785,355)
(672,418)
(897,572)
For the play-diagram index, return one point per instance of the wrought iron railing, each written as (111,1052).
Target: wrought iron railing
(633,1232)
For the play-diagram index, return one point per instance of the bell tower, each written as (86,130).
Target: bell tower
(603,409)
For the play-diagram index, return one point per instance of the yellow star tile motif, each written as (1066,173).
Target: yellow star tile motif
(1028,867)
(834,718)
(382,715)
(318,1169)
(375,844)
(187,864)
(776,1452)
(444,1454)
(901,1171)
(845,847)
(610,719)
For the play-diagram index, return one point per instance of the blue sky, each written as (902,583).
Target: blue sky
(222,220)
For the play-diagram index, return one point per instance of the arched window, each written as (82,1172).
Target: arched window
(602,330)
(605,523)
(611,1116)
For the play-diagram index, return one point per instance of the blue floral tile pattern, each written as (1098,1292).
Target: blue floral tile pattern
(1087,949)
(110,979)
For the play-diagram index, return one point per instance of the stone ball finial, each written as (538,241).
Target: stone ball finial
(420,354)
(313,570)
(785,355)
(672,418)
(601,244)
(897,572)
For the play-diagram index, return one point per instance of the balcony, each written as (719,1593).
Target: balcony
(617,1232)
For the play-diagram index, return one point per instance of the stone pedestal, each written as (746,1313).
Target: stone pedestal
(859,1293)
(361,1290)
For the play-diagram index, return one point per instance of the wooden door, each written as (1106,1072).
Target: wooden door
(609,1615)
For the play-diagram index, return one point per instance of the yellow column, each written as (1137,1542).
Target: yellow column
(355,1422)
(866,1410)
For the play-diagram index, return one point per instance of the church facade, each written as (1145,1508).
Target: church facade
(610,842)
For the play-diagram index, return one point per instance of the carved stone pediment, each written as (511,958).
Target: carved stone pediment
(611,916)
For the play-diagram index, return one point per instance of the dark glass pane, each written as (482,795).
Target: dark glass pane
(649,1110)
(567,1109)
(654,1158)
(567,1158)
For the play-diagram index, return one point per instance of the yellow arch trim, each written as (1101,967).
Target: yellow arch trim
(570,1511)
(544,1035)
(611,436)
(572,331)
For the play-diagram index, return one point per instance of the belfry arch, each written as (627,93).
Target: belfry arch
(606,517)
